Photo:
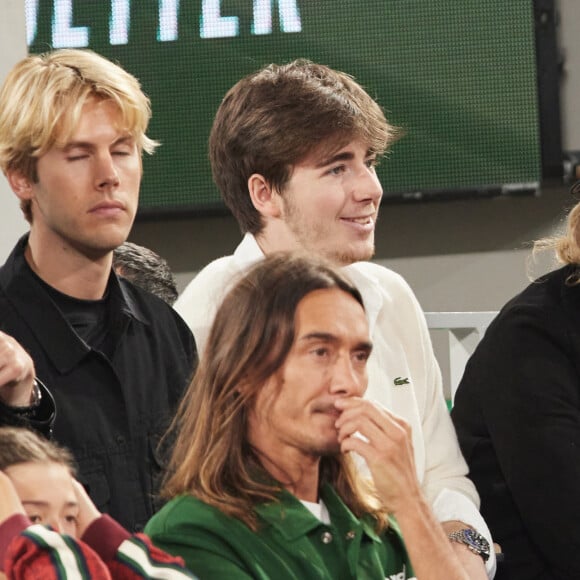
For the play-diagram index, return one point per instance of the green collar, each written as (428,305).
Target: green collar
(293,520)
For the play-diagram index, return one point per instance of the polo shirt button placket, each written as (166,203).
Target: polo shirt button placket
(326,537)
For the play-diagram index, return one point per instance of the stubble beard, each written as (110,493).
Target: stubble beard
(315,240)
(347,258)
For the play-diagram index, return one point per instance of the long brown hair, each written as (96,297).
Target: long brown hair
(251,336)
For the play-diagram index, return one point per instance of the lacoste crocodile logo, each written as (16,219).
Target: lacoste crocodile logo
(401,381)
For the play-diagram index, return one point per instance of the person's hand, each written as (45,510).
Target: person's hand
(9,500)
(387,450)
(16,373)
(88,512)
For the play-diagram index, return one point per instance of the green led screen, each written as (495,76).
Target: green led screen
(459,76)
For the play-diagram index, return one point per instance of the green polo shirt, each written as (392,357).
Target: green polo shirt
(291,543)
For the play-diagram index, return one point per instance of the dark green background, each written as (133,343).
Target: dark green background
(458,75)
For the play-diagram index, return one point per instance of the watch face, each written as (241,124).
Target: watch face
(473,540)
(477,541)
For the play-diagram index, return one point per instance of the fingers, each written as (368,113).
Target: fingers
(373,432)
(15,363)
(385,443)
(88,512)
(358,413)
(16,372)
(9,500)
(392,446)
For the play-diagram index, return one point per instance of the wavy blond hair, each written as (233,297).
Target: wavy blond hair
(566,246)
(41,102)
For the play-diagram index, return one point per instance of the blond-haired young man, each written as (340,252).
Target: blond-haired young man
(115,358)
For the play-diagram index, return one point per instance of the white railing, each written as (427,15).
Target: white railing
(464,331)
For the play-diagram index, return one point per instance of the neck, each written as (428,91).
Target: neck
(299,476)
(275,237)
(68,270)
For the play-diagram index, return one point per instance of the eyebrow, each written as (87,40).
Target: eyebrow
(40,503)
(327,337)
(87,145)
(340,156)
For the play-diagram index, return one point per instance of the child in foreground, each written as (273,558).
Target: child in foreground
(37,490)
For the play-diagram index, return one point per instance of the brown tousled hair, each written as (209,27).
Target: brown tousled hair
(249,341)
(273,119)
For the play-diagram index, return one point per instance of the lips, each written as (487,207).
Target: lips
(363,220)
(328,409)
(107,206)
(361,225)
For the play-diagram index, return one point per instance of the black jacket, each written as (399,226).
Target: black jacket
(517,415)
(111,413)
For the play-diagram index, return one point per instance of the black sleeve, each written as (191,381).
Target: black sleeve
(40,418)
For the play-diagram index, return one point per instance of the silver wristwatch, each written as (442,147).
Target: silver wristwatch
(36,394)
(473,540)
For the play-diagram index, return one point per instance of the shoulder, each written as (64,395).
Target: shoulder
(532,342)
(367,274)
(188,515)
(548,301)
(200,300)
(531,333)
(208,282)
(155,312)
(210,285)
(388,298)
(150,306)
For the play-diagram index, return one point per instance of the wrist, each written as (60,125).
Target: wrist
(32,402)
(35,396)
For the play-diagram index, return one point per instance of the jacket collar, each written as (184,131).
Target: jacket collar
(249,252)
(34,305)
(293,520)
(370,290)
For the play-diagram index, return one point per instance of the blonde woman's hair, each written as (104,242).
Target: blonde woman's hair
(41,102)
(566,246)
(251,336)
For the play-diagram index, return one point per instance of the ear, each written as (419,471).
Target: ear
(264,197)
(20,184)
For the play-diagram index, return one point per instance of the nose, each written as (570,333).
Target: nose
(366,186)
(107,175)
(346,380)
(54,522)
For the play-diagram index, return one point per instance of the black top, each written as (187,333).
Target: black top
(111,410)
(88,318)
(517,415)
